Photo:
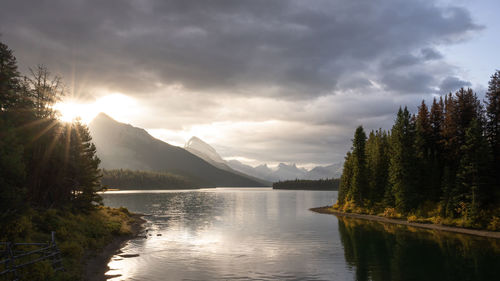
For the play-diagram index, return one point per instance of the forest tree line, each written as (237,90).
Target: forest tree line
(128,179)
(321,184)
(44,163)
(442,164)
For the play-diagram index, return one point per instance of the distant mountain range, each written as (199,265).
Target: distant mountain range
(122,146)
(283,172)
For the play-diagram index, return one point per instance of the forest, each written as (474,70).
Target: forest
(45,163)
(49,174)
(321,184)
(440,165)
(128,179)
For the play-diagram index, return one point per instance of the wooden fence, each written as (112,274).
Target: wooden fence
(15,256)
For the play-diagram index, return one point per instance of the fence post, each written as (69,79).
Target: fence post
(12,262)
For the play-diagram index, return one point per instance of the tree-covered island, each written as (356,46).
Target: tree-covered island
(440,166)
(321,184)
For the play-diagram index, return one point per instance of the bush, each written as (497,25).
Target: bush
(391,213)
(494,224)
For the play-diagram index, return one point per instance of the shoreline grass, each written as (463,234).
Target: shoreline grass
(81,236)
(404,221)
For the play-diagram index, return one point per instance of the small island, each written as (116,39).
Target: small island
(322,184)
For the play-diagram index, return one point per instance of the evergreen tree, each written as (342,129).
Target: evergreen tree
(360,172)
(493,128)
(377,151)
(9,78)
(460,111)
(437,161)
(84,167)
(12,172)
(12,167)
(346,180)
(423,149)
(402,171)
(473,183)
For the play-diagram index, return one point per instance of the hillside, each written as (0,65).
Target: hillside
(122,146)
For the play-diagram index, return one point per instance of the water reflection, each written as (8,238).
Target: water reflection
(231,234)
(261,234)
(380,251)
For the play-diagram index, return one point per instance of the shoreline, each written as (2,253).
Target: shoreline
(483,233)
(96,264)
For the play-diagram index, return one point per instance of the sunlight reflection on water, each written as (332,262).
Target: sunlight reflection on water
(227,234)
(264,234)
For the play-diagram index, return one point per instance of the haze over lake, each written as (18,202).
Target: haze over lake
(261,234)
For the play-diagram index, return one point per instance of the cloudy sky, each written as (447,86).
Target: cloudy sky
(261,81)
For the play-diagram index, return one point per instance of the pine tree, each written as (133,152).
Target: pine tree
(402,171)
(85,166)
(460,111)
(493,128)
(360,172)
(473,182)
(377,151)
(12,172)
(437,162)
(346,180)
(9,78)
(423,149)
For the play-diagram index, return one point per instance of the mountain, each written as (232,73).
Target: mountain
(203,150)
(122,146)
(323,172)
(288,172)
(261,171)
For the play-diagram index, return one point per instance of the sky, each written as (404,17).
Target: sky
(261,81)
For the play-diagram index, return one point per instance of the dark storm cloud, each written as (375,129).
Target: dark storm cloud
(451,84)
(293,49)
(431,54)
(238,72)
(410,83)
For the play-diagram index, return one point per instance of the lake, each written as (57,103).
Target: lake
(265,234)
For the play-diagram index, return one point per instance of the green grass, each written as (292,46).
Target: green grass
(78,235)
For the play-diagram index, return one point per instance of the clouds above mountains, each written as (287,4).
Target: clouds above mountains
(327,65)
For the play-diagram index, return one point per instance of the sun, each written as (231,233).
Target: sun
(69,111)
(116,105)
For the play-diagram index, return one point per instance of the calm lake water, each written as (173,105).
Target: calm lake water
(265,234)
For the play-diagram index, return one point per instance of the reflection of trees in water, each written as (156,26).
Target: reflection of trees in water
(197,210)
(394,252)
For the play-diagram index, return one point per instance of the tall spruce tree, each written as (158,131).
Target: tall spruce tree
(85,167)
(346,180)
(377,151)
(9,78)
(423,149)
(402,171)
(360,172)
(493,129)
(460,111)
(12,166)
(437,162)
(473,182)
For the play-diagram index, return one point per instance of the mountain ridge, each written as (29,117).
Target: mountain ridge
(284,171)
(123,146)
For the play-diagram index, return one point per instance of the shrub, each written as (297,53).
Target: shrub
(494,224)
(391,213)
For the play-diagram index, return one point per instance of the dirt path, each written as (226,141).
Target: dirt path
(97,266)
(483,233)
